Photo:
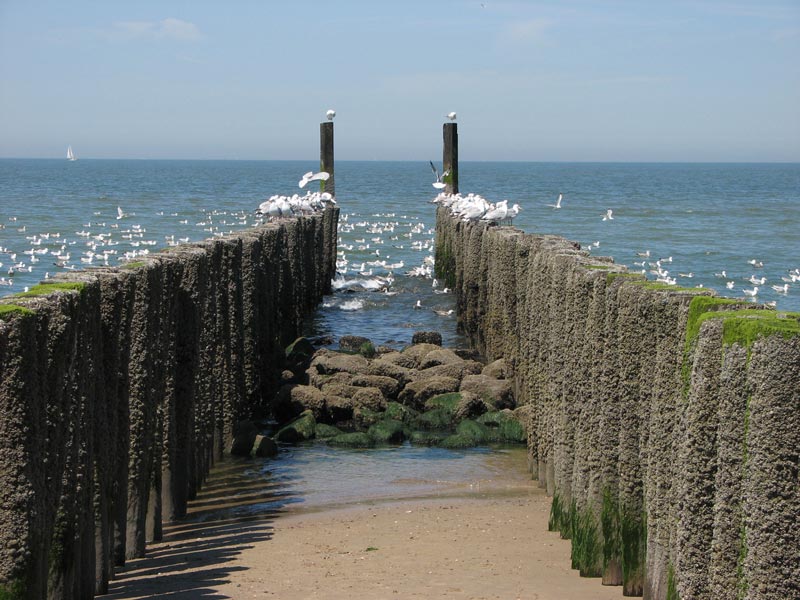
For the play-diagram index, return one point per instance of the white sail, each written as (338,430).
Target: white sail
(70,155)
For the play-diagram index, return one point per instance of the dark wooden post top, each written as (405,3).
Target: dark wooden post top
(450,158)
(326,156)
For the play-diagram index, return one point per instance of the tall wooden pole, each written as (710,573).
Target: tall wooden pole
(450,158)
(326,155)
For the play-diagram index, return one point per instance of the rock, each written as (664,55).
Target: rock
(380,350)
(319,381)
(400,359)
(301,429)
(352,343)
(437,419)
(293,399)
(339,389)
(470,406)
(468,434)
(399,412)
(264,447)
(402,375)
(370,398)
(417,392)
(327,362)
(441,356)
(503,426)
(496,392)
(388,386)
(448,402)
(427,337)
(352,440)
(388,431)
(467,353)
(418,352)
(498,369)
(340,410)
(524,414)
(427,438)
(324,431)
(300,350)
(244,435)
(456,370)
(288,376)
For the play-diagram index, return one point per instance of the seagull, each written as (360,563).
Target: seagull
(418,304)
(438,184)
(330,114)
(756,263)
(729,285)
(607,216)
(753,292)
(120,214)
(444,313)
(311,176)
(498,213)
(558,202)
(645,254)
(451,116)
(781,289)
(722,274)
(513,212)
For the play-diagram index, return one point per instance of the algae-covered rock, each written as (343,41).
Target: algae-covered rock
(503,426)
(385,368)
(427,438)
(328,362)
(300,350)
(388,386)
(323,431)
(244,435)
(437,419)
(352,440)
(364,418)
(498,369)
(400,412)
(264,447)
(388,431)
(293,399)
(497,392)
(352,343)
(340,409)
(427,337)
(441,356)
(470,406)
(369,397)
(447,401)
(468,434)
(417,392)
(301,429)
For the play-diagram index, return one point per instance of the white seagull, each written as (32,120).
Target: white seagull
(438,184)
(330,114)
(311,176)
(753,292)
(781,289)
(451,116)
(120,214)
(558,202)
(607,216)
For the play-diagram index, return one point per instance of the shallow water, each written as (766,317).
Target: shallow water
(314,477)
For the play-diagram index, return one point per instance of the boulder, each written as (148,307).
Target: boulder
(441,356)
(388,431)
(324,431)
(417,392)
(496,392)
(340,410)
(384,368)
(301,429)
(448,401)
(437,419)
(293,399)
(370,398)
(417,352)
(244,435)
(400,359)
(318,380)
(467,353)
(352,440)
(503,426)
(264,447)
(399,412)
(427,337)
(498,369)
(352,343)
(327,362)
(470,406)
(299,351)
(388,386)
(468,434)
(455,370)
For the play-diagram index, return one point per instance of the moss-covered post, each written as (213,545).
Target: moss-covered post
(326,155)
(450,158)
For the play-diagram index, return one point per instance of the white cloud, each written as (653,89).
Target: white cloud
(165,29)
(532,30)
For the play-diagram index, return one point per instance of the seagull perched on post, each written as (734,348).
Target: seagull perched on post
(330,114)
(311,176)
(438,184)
(451,116)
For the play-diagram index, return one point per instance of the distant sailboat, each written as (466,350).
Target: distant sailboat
(70,155)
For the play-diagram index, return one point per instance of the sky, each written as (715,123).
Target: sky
(641,81)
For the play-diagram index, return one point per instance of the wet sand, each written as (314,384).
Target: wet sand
(493,545)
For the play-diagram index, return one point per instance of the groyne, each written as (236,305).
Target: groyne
(119,388)
(664,422)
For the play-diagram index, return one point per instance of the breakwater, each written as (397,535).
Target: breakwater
(119,387)
(665,422)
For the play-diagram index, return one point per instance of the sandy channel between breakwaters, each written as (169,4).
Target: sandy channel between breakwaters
(477,546)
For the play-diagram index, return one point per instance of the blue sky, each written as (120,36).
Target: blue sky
(552,81)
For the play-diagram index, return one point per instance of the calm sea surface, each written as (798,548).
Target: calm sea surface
(706,217)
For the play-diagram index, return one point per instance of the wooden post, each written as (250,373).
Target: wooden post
(326,155)
(450,158)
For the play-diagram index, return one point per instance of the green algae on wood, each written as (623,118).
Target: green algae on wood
(587,555)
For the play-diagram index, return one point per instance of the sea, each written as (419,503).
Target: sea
(705,224)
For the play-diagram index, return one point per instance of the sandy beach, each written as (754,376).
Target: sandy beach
(493,545)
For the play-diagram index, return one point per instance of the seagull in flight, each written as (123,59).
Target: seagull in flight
(438,184)
(330,114)
(120,214)
(311,176)
(558,202)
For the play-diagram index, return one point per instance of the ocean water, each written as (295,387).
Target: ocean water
(701,218)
